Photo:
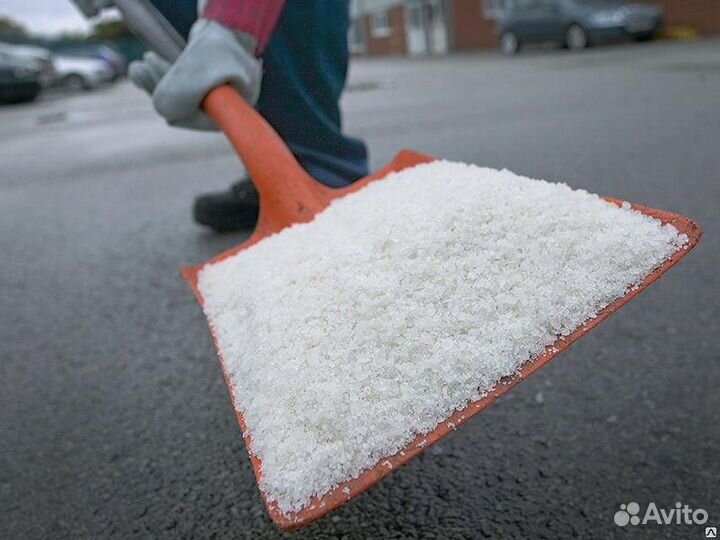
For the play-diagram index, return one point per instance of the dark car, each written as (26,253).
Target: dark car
(576,24)
(20,79)
(39,57)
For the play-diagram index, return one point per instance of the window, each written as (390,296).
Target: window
(535,5)
(380,24)
(494,9)
(356,37)
(415,16)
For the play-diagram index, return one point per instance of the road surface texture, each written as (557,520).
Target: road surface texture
(114,416)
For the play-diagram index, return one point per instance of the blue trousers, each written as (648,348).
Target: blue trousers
(305,68)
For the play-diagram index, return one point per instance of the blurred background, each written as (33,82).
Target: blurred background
(49,45)
(114,416)
(55,48)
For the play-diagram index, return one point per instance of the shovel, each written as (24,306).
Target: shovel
(288,195)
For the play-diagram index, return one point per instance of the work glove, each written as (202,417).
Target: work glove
(91,8)
(213,56)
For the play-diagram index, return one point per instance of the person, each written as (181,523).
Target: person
(289,59)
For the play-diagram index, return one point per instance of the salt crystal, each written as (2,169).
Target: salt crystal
(346,337)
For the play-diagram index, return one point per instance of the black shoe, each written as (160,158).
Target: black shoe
(233,210)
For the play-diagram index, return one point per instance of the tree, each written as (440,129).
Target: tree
(10,26)
(109,30)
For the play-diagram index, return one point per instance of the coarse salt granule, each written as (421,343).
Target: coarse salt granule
(347,336)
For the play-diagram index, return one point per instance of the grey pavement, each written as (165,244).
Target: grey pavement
(114,418)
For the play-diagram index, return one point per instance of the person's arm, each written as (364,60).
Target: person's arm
(222,48)
(254,17)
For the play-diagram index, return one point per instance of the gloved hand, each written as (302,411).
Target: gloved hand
(90,8)
(213,56)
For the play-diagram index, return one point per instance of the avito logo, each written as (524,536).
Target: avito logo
(681,514)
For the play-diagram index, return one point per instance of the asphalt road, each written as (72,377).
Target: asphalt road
(114,418)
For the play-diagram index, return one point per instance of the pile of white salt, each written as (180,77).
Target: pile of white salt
(347,336)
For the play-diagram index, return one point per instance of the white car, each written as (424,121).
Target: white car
(81,73)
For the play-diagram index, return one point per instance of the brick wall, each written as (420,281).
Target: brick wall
(395,42)
(703,15)
(469,27)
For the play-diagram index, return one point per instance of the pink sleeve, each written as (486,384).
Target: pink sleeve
(254,17)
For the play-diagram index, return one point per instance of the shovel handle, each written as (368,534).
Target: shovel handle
(286,191)
(151,27)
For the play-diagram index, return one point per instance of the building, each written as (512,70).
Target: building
(700,15)
(421,27)
(399,27)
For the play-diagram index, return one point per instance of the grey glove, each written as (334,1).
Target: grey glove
(146,73)
(214,55)
(90,8)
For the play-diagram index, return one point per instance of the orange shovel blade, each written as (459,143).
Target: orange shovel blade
(296,199)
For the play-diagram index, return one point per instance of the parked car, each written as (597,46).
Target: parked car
(39,57)
(19,79)
(82,73)
(576,24)
(105,53)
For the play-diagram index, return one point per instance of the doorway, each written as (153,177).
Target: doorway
(426,27)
